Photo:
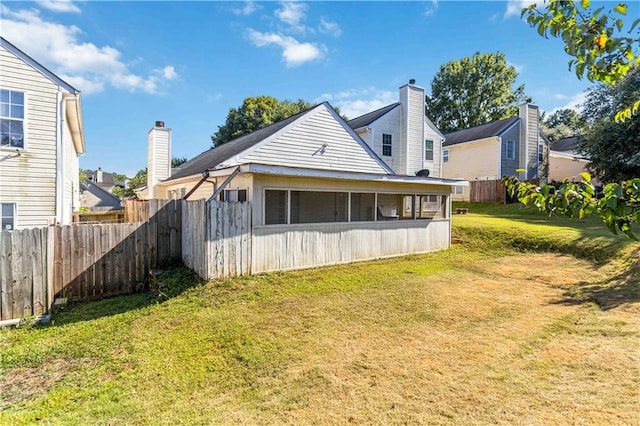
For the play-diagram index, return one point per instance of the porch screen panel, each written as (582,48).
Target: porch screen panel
(431,206)
(275,207)
(318,206)
(362,207)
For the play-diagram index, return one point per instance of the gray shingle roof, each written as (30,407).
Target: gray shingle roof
(370,117)
(495,128)
(570,143)
(212,157)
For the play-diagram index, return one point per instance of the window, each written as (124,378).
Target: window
(428,150)
(275,207)
(386,145)
(318,207)
(445,155)
(233,195)
(430,206)
(540,153)
(458,190)
(11,119)
(362,207)
(511,150)
(8,216)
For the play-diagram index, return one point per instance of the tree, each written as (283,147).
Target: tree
(591,38)
(178,161)
(254,113)
(473,91)
(562,123)
(613,147)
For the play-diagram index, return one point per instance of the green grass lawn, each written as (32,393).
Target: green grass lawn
(530,320)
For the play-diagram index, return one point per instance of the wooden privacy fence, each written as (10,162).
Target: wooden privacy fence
(216,238)
(487,191)
(84,262)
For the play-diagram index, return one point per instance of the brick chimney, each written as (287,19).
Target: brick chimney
(158,156)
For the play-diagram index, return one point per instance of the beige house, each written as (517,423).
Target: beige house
(41,138)
(496,149)
(565,162)
(306,176)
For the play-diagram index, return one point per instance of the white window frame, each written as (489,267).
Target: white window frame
(23,119)
(390,144)
(540,153)
(513,150)
(13,215)
(445,156)
(432,150)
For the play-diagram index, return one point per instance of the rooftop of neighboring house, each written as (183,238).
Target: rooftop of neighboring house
(104,179)
(370,117)
(106,199)
(570,143)
(494,128)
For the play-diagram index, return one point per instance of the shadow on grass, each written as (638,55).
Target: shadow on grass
(622,288)
(169,283)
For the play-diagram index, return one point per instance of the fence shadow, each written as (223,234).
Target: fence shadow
(166,285)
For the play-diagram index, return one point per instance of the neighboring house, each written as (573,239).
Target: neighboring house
(402,135)
(565,161)
(105,180)
(41,139)
(497,149)
(310,178)
(96,198)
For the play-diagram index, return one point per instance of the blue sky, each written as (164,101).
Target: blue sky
(187,63)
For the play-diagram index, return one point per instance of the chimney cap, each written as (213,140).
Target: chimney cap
(412,81)
(159,124)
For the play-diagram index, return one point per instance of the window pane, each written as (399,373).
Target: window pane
(275,207)
(242,195)
(17,111)
(5,139)
(432,206)
(318,207)
(4,95)
(7,224)
(16,127)
(362,207)
(7,210)
(17,98)
(4,110)
(388,206)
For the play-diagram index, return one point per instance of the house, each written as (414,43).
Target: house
(565,160)
(497,149)
(94,197)
(104,180)
(41,139)
(312,179)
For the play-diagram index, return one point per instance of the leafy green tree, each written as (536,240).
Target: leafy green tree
(600,52)
(562,123)
(254,113)
(613,147)
(473,91)
(178,161)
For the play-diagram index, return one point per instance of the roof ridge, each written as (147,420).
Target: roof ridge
(480,125)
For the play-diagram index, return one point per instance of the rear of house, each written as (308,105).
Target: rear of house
(41,140)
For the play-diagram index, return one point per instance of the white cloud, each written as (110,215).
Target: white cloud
(294,53)
(575,102)
(356,102)
(514,7)
(214,98)
(328,27)
(293,14)
(64,6)
(246,10)
(430,10)
(84,65)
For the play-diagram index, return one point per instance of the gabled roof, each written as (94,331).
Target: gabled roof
(495,128)
(370,117)
(570,143)
(36,65)
(106,198)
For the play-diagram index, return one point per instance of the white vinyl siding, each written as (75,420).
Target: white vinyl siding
(315,142)
(414,151)
(30,179)
(390,124)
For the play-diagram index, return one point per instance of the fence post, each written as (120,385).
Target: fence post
(51,243)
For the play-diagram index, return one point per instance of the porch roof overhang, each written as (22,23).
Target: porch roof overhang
(333,174)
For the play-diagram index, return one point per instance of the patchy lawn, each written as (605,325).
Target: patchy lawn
(496,330)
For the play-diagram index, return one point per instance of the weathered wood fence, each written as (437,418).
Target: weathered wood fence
(216,238)
(487,191)
(85,262)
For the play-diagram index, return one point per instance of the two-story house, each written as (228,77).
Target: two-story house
(41,138)
(512,146)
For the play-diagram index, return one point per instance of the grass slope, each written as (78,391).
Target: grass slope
(528,321)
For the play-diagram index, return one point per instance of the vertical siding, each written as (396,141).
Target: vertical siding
(158,157)
(415,130)
(30,179)
(302,146)
(529,137)
(70,195)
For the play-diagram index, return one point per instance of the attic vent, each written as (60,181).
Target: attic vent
(159,123)
(412,81)
(423,173)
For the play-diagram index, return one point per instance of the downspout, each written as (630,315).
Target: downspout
(59,159)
